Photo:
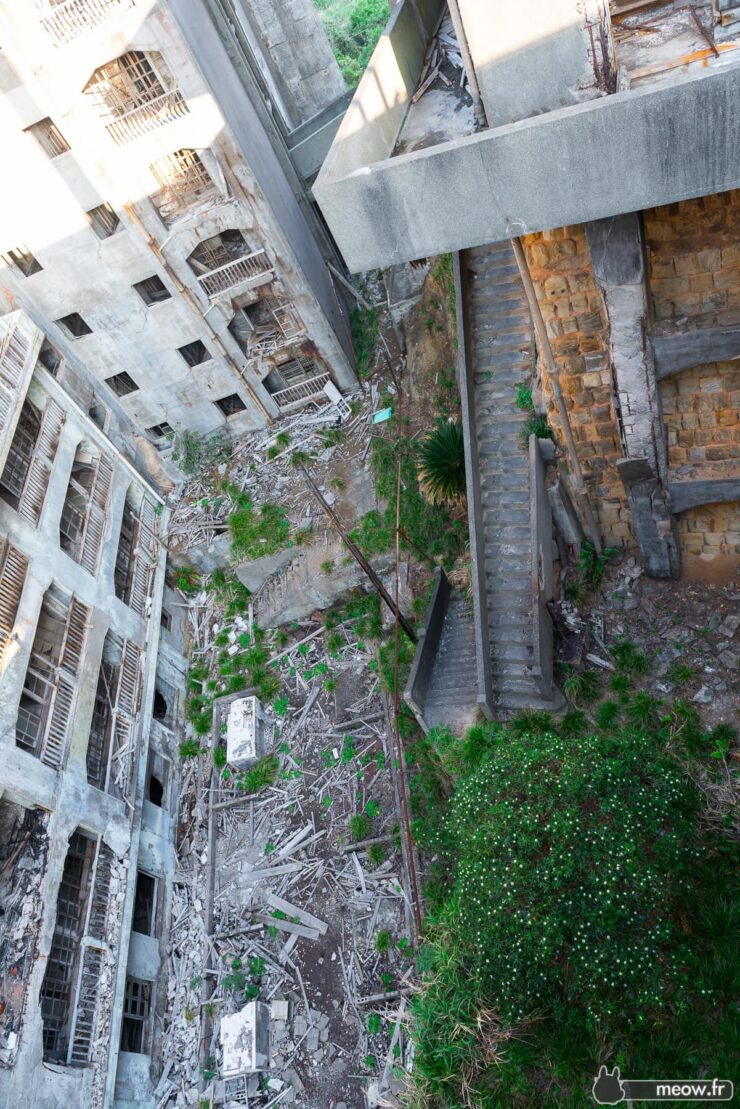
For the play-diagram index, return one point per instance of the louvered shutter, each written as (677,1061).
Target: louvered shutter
(54,747)
(92,540)
(15,348)
(145,558)
(13,566)
(37,479)
(124,723)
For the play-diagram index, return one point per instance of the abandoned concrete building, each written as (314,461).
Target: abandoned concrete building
(165,268)
(585,173)
(161,157)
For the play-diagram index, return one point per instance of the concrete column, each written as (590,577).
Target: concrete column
(618,258)
(538,55)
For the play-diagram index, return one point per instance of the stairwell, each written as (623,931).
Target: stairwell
(498,353)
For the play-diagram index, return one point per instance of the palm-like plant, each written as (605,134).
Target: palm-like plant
(442,464)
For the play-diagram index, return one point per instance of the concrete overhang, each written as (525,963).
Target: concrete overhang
(621,153)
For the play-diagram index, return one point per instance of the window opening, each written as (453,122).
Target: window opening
(22,260)
(136,1005)
(219,250)
(50,358)
(195,353)
(122,384)
(49,137)
(183,182)
(20,455)
(159,711)
(231,405)
(103,220)
(152,290)
(125,555)
(74,325)
(145,904)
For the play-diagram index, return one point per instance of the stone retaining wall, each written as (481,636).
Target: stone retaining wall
(701,409)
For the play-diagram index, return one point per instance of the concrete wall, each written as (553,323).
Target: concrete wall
(536,55)
(422,668)
(627,151)
(45,202)
(65,794)
(300,56)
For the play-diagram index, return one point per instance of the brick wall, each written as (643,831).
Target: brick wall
(694,256)
(573,309)
(710,540)
(701,409)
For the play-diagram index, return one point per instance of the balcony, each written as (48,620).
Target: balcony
(65,21)
(147,117)
(284,330)
(303,392)
(252,269)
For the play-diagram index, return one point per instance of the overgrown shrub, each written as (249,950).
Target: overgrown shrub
(255,533)
(442,464)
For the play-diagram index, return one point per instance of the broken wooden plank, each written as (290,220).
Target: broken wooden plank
(288,926)
(306,918)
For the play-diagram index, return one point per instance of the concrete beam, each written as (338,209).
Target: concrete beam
(686,349)
(629,151)
(691,494)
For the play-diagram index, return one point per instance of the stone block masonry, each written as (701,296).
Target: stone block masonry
(701,410)
(710,539)
(573,308)
(694,256)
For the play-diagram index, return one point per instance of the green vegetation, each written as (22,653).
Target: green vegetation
(353,28)
(194,454)
(256,533)
(260,775)
(189,749)
(364,327)
(359,826)
(383,941)
(443,272)
(568,925)
(442,464)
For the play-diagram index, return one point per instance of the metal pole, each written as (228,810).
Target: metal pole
(359,557)
(544,345)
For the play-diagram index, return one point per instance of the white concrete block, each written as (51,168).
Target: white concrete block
(249,732)
(244,1040)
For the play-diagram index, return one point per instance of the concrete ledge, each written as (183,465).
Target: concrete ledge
(422,668)
(687,349)
(541,568)
(691,494)
(475,508)
(627,151)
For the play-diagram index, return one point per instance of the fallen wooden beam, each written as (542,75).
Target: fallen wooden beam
(292,910)
(289,926)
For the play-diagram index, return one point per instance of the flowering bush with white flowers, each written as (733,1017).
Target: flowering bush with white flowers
(569,863)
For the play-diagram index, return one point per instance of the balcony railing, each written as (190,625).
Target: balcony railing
(288,327)
(249,270)
(147,117)
(71,18)
(302,392)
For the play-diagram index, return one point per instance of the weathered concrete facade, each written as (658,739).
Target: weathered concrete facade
(176,197)
(82,569)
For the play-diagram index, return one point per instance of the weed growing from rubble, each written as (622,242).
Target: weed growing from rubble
(219,757)
(680,673)
(338,483)
(607,714)
(620,683)
(187,580)
(534,425)
(359,827)
(365,327)
(524,397)
(374,1024)
(327,566)
(255,534)
(376,854)
(208,1070)
(573,723)
(189,749)
(383,941)
(581,685)
(260,775)
(630,660)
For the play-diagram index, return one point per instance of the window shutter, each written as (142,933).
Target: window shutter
(92,540)
(13,566)
(55,743)
(145,558)
(125,712)
(37,479)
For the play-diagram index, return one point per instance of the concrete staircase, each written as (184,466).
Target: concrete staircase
(453,689)
(500,352)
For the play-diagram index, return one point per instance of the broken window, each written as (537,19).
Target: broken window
(103,221)
(161,431)
(218,251)
(50,358)
(136,555)
(82,523)
(157,777)
(135,94)
(70,990)
(152,290)
(137,1001)
(49,137)
(166,621)
(195,353)
(110,747)
(183,182)
(122,574)
(122,384)
(22,260)
(159,710)
(145,904)
(25,479)
(13,478)
(74,325)
(13,566)
(49,689)
(230,405)
(58,984)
